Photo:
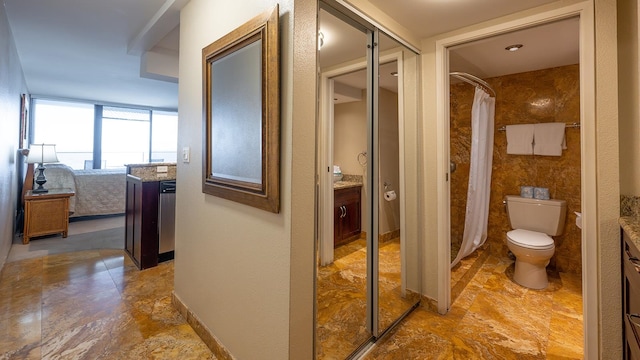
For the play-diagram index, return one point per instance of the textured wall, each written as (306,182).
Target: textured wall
(11,85)
(551,95)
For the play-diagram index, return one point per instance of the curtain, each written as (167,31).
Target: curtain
(477,212)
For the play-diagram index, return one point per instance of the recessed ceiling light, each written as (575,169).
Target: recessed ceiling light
(395,73)
(515,47)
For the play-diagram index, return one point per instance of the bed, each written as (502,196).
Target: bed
(98,191)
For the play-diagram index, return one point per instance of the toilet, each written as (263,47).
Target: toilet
(533,222)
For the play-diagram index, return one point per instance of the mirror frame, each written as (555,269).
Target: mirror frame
(265,194)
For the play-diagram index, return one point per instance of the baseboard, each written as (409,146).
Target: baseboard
(201,329)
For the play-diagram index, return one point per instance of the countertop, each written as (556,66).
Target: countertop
(154,177)
(345,184)
(149,172)
(631,226)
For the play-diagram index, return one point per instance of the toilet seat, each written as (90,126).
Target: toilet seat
(530,239)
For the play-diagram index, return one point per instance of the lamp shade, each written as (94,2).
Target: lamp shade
(42,153)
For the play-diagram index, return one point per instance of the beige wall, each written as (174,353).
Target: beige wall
(350,135)
(628,96)
(241,270)
(11,86)
(608,179)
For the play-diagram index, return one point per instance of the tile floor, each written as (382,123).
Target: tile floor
(494,318)
(92,304)
(95,304)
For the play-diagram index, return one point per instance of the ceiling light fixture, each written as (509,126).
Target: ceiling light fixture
(515,47)
(320,40)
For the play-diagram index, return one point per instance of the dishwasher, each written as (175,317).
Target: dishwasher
(167,220)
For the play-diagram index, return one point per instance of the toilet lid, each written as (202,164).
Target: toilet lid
(530,239)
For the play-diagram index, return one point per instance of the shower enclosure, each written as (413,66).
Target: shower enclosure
(479,159)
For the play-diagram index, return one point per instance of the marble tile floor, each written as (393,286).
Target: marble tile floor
(494,318)
(92,304)
(342,301)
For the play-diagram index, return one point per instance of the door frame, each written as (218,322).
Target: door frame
(585,12)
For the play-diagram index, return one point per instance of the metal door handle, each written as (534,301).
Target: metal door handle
(633,260)
(344,211)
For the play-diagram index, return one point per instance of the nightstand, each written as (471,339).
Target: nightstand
(46,213)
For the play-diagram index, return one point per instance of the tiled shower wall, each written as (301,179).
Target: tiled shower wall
(550,95)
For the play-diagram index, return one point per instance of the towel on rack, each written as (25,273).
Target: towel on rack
(520,139)
(549,139)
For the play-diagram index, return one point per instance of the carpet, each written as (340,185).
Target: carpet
(103,239)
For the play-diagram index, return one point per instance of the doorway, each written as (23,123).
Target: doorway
(586,137)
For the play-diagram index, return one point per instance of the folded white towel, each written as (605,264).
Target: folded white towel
(549,139)
(520,139)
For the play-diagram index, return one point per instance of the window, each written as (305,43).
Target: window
(69,126)
(122,135)
(164,138)
(125,136)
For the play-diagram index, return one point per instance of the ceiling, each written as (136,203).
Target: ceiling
(126,52)
(115,51)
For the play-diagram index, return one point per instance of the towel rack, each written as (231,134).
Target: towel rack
(572,125)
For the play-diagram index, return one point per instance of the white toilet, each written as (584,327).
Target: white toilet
(533,221)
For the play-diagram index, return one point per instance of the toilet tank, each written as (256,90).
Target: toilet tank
(546,216)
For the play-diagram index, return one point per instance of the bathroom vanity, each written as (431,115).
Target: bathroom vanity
(631,286)
(346,213)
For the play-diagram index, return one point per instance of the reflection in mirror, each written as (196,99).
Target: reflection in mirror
(398,285)
(342,310)
(236,131)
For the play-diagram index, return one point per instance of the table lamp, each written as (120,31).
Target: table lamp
(41,154)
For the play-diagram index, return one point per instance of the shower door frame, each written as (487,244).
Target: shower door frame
(585,12)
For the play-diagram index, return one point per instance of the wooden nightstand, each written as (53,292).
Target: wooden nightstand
(46,213)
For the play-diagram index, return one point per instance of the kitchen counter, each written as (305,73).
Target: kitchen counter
(631,226)
(148,172)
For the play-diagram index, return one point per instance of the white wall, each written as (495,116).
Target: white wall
(247,273)
(12,84)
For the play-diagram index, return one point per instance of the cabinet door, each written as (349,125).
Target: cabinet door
(352,220)
(346,215)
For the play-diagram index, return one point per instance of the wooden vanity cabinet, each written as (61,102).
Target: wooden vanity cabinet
(631,298)
(141,222)
(347,217)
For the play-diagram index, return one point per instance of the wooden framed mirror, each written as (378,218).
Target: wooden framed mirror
(241,141)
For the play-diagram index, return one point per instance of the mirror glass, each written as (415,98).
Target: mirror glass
(398,284)
(236,115)
(343,313)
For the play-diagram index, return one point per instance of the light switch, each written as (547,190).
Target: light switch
(185,154)
(162,169)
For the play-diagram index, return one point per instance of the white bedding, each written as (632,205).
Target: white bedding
(98,191)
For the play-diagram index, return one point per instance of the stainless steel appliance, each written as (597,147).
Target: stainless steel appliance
(167,220)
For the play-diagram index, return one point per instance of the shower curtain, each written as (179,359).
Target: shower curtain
(477,212)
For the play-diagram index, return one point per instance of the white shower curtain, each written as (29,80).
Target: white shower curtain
(477,213)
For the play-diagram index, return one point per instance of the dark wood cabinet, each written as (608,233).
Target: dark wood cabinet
(347,217)
(631,298)
(141,222)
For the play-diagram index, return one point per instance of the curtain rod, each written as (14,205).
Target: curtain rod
(473,80)
(572,125)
